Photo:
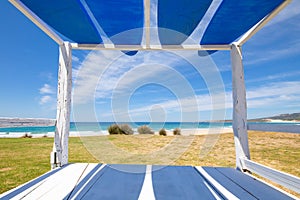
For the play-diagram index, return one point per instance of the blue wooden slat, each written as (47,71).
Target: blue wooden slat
(83,182)
(178,19)
(122,21)
(178,182)
(254,187)
(67,17)
(116,184)
(235,17)
(228,183)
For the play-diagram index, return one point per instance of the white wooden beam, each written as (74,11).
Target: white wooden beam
(107,42)
(36,20)
(147,22)
(221,189)
(287,180)
(150,48)
(147,189)
(262,23)
(239,123)
(60,147)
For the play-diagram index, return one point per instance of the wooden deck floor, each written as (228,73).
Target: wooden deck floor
(103,181)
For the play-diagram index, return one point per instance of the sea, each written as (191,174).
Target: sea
(102,126)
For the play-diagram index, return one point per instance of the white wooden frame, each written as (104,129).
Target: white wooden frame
(59,156)
(239,118)
(287,180)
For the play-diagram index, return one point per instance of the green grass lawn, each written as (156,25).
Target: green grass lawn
(22,159)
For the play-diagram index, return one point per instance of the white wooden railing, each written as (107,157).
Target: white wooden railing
(287,180)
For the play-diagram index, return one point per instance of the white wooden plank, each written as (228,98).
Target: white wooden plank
(227,194)
(199,31)
(34,184)
(147,192)
(107,42)
(262,23)
(287,180)
(152,47)
(63,105)
(87,182)
(60,184)
(147,22)
(287,128)
(272,186)
(239,123)
(37,21)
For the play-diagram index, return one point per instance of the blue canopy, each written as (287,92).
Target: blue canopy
(122,22)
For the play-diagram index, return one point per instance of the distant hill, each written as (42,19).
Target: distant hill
(286,117)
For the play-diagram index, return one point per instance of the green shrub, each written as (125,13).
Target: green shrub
(126,129)
(26,136)
(114,129)
(177,131)
(145,130)
(163,132)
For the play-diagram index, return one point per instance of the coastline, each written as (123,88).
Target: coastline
(281,121)
(184,132)
(89,130)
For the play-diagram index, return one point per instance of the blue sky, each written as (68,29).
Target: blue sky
(151,85)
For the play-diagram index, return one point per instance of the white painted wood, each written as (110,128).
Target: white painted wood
(287,128)
(287,180)
(227,194)
(147,192)
(199,31)
(213,192)
(239,123)
(107,42)
(37,21)
(27,191)
(152,47)
(147,22)
(88,181)
(262,23)
(60,184)
(272,186)
(63,105)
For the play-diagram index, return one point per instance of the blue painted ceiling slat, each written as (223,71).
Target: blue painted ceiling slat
(182,16)
(234,18)
(122,21)
(67,17)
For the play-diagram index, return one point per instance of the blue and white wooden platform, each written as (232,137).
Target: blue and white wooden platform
(104,181)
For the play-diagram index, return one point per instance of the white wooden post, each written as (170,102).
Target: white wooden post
(59,156)
(239,123)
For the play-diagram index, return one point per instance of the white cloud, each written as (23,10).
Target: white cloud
(275,90)
(47,89)
(288,12)
(75,58)
(269,53)
(274,95)
(101,72)
(274,77)
(45,99)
